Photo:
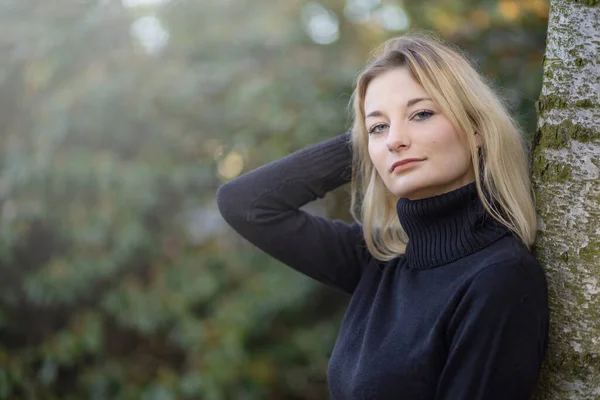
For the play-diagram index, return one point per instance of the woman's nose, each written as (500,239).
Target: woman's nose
(397,138)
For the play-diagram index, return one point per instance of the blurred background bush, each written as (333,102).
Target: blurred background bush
(119,120)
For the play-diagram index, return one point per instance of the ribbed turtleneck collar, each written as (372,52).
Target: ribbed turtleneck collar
(447,227)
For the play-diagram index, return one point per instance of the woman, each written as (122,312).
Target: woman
(448,301)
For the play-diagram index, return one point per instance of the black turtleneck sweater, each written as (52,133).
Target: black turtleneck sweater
(462,315)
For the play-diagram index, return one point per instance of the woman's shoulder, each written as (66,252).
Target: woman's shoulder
(509,250)
(509,264)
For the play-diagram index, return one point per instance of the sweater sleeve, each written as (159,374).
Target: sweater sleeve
(263,207)
(497,336)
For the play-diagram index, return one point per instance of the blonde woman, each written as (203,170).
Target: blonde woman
(448,302)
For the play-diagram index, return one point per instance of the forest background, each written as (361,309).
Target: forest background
(119,120)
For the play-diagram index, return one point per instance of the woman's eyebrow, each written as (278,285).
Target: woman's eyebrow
(409,103)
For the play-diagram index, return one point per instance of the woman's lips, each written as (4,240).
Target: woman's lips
(405,165)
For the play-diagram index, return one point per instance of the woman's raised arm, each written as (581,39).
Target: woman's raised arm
(263,206)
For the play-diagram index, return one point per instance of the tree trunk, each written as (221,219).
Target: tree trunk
(566,177)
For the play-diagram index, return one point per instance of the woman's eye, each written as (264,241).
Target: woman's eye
(376,127)
(426,113)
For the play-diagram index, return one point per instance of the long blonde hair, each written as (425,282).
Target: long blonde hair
(501,166)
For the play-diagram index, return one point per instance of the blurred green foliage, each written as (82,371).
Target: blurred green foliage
(119,121)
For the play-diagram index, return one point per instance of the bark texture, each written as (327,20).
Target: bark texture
(566,176)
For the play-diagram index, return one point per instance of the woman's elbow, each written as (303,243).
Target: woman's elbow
(231,204)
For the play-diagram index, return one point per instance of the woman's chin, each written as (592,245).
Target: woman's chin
(408,190)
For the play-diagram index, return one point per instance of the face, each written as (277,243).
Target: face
(402,124)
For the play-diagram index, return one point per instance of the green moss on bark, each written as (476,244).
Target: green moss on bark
(551,137)
(589,3)
(550,102)
(550,171)
(585,103)
(590,253)
(579,133)
(557,136)
(559,102)
(576,364)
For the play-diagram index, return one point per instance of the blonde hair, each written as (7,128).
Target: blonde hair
(501,166)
